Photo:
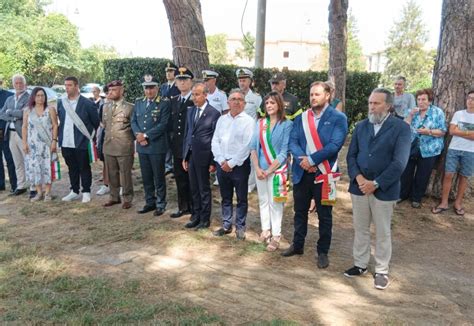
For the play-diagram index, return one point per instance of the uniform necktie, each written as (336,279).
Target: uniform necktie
(198,114)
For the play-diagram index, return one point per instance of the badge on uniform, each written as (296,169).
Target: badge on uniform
(154,114)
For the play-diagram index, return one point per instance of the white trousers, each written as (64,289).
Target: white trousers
(16,147)
(368,209)
(271,213)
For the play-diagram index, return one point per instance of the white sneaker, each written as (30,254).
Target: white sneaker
(72,196)
(86,197)
(103,190)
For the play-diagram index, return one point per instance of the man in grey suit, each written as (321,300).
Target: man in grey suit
(149,125)
(376,158)
(12,113)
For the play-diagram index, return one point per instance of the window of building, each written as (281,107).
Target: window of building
(286,54)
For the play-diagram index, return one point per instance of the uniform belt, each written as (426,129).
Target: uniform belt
(11,129)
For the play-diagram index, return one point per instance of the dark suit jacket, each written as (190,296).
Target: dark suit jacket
(382,157)
(87,111)
(169,92)
(16,112)
(198,136)
(332,130)
(153,121)
(177,125)
(3,97)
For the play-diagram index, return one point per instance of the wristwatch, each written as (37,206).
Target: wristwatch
(376,184)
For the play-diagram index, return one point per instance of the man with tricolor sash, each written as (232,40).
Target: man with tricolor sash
(79,120)
(315,141)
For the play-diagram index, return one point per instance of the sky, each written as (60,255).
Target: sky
(140,28)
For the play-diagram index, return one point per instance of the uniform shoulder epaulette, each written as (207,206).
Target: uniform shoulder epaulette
(165,98)
(220,90)
(173,97)
(257,94)
(157,99)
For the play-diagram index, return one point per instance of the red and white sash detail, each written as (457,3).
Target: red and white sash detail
(280,176)
(328,176)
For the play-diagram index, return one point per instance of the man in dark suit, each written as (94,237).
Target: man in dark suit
(78,120)
(377,156)
(12,113)
(4,147)
(149,125)
(179,110)
(197,155)
(317,137)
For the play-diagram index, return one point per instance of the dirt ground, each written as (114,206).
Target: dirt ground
(431,269)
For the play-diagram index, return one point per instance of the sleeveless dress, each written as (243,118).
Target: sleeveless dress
(38,161)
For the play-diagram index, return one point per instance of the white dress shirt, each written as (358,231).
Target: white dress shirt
(218,100)
(232,138)
(68,132)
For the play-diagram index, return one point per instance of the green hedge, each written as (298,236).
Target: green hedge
(359,84)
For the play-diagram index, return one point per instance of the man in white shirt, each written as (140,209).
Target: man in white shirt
(216,97)
(460,156)
(230,147)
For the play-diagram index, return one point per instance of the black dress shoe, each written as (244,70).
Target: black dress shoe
(33,193)
(203,225)
(323,261)
(221,232)
(292,251)
(192,224)
(159,212)
(18,192)
(179,214)
(146,209)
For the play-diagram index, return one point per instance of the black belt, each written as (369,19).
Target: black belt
(11,129)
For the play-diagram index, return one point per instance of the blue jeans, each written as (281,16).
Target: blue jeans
(228,181)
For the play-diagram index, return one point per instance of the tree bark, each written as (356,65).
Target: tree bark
(454,70)
(187,34)
(338,46)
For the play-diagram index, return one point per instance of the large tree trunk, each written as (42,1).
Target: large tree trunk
(454,69)
(187,34)
(338,46)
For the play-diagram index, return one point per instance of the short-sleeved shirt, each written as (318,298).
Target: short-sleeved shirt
(429,145)
(403,103)
(465,121)
(218,100)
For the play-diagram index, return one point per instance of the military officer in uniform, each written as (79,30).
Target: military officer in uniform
(169,88)
(252,108)
(118,147)
(278,84)
(179,108)
(215,97)
(149,124)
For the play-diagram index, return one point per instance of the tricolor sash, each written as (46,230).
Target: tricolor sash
(328,176)
(280,187)
(79,124)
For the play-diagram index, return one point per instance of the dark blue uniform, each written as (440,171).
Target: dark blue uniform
(151,118)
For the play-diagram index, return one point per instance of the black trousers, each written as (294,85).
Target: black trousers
(77,161)
(416,177)
(182,183)
(5,149)
(303,192)
(200,189)
(152,167)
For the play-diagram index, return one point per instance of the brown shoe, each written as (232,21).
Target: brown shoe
(127,205)
(111,203)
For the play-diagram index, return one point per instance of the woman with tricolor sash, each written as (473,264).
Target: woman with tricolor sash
(40,137)
(269,155)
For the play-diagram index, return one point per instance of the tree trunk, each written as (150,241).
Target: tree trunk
(338,46)
(187,34)
(454,70)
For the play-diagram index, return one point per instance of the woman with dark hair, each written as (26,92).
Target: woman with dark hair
(269,155)
(40,137)
(428,127)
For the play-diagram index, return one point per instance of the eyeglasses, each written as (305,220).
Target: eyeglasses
(470,98)
(236,99)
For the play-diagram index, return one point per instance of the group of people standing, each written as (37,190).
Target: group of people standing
(193,129)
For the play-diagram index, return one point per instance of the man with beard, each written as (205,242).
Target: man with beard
(317,137)
(376,158)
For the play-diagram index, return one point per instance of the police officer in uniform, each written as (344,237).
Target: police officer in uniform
(278,84)
(252,108)
(179,108)
(215,97)
(118,147)
(149,124)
